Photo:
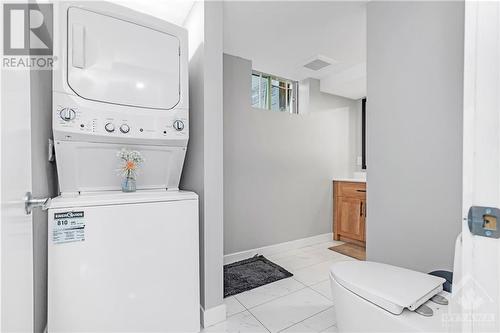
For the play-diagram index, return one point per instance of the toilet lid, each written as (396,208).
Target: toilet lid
(390,287)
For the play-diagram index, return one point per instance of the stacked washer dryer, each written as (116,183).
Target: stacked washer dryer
(120,261)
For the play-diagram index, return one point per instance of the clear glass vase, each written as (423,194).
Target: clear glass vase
(128,184)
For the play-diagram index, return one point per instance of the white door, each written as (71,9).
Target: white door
(478,281)
(15,225)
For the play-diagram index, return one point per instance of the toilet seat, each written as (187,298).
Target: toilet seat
(391,288)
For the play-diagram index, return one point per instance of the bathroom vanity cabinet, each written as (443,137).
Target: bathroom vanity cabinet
(349,211)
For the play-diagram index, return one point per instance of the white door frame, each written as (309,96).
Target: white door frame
(476,284)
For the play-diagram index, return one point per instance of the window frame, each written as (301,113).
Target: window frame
(363,134)
(293,105)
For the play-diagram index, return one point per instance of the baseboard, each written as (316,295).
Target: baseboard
(213,315)
(277,248)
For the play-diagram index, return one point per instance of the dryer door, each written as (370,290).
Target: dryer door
(116,61)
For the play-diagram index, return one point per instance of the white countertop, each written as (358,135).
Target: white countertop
(355,180)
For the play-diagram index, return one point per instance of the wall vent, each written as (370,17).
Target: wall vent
(317,64)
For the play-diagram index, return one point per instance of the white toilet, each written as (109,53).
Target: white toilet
(375,297)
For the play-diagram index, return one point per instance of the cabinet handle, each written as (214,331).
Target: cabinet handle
(364,191)
(361,209)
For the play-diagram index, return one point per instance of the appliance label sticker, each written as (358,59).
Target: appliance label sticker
(68,227)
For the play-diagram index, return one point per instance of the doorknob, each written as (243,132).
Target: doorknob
(30,202)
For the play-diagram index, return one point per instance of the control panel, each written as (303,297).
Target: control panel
(149,124)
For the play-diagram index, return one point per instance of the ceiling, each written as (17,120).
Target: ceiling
(281,37)
(174,11)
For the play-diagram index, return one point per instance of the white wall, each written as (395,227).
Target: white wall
(203,169)
(278,167)
(414,128)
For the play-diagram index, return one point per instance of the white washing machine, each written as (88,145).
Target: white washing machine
(124,262)
(117,261)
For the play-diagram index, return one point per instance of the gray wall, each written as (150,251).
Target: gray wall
(414,124)
(278,167)
(202,171)
(312,99)
(44,179)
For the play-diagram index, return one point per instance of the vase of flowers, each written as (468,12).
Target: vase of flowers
(130,162)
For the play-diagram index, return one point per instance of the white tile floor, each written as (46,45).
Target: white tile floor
(302,303)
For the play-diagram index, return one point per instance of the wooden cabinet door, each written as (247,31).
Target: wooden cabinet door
(351,219)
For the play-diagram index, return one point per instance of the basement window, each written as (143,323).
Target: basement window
(275,94)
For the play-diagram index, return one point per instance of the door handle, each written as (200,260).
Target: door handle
(361,209)
(30,203)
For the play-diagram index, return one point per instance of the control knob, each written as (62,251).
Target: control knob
(109,127)
(67,114)
(124,128)
(178,125)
